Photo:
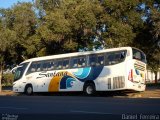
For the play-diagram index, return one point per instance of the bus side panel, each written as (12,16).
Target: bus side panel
(64,82)
(74,79)
(112,78)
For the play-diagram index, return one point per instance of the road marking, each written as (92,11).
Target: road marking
(16,108)
(90,112)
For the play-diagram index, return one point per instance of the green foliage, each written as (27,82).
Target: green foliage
(49,27)
(6,38)
(147,38)
(119,35)
(7,79)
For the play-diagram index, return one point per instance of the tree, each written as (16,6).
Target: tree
(6,39)
(24,23)
(67,25)
(17,25)
(122,22)
(50,27)
(154,56)
(147,38)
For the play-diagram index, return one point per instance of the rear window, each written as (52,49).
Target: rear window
(138,55)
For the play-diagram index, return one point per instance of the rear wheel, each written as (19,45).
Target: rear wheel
(89,89)
(29,90)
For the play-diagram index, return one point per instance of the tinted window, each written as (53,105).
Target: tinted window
(45,66)
(138,55)
(38,67)
(51,65)
(74,62)
(81,61)
(96,60)
(59,64)
(34,67)
(78,62)
(48,65)
(115,57)
(19,71)
(92,60)
(143,58)
(100,59)
(65,63)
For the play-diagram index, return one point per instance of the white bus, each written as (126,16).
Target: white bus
(105,70)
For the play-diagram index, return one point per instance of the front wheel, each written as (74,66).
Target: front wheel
(89,89)
(29,90)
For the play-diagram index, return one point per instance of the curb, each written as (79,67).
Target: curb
(7,93)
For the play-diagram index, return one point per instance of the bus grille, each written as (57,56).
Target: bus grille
(109,83)
(118,82)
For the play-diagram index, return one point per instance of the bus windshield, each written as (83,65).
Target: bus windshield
(19,71)
(138,55)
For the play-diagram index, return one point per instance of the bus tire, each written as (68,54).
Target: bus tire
(29,90)
(89,89)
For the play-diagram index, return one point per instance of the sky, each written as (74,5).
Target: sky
(10,3)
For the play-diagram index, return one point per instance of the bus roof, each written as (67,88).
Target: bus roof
(59,56)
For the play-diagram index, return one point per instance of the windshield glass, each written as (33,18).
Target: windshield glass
(138,55)
(19,71)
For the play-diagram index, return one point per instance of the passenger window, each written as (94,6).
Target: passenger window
(38,67)
(59,64)
(34,67)
(92,60)
(100,59)
(65,63)
(109,59)
(51,65)
(115,57)
(45,66)
(81,61)
(74,62)
(48,65)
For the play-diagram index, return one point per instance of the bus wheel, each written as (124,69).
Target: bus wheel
(29,90)
(89,89)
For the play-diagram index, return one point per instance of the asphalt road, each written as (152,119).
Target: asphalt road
(76,108)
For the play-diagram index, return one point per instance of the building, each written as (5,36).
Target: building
(150,76)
